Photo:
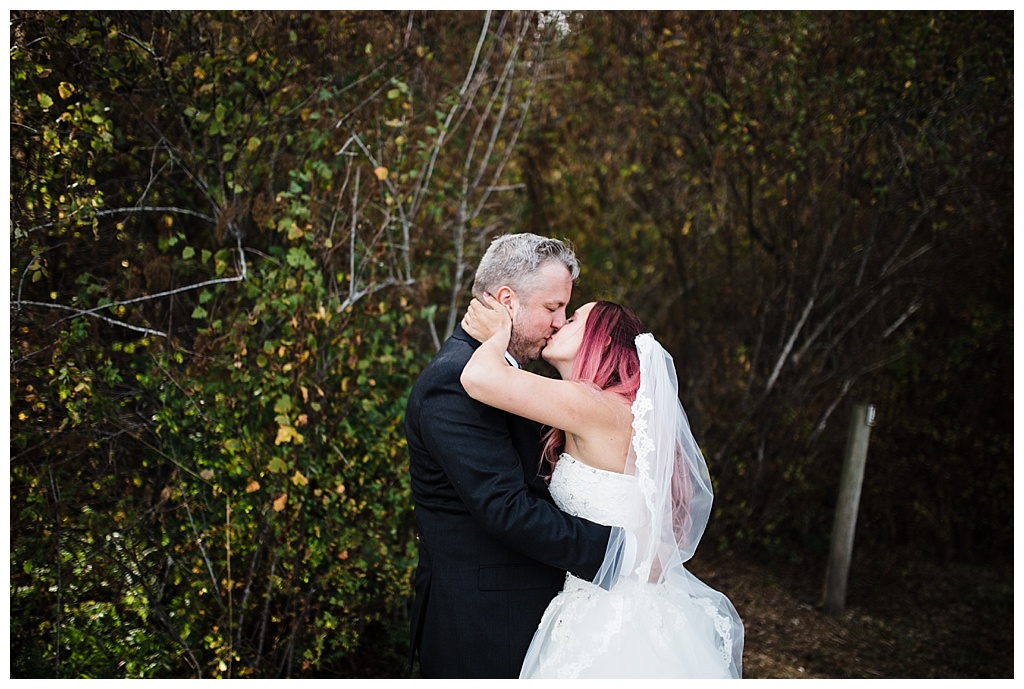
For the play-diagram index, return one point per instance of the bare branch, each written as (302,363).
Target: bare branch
(823,421)
(436,148)
(93,311)
(80,312)
(914,306)
(372,289)
(134,209)
(789,346)
(202,549)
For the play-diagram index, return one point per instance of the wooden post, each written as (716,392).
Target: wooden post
(834,601)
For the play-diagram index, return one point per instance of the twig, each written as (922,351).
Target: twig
(80,312)
(135,209)
(93,311)
(789,346)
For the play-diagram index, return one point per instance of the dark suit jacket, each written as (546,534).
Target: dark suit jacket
(493,547)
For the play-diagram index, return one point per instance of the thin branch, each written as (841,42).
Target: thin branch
(352,240)
(914,306)
(81,312)
(789,346)
(372,289)
(470,73)
(93,311)
(433,334)
(133,209)
(914,256)
(141,44)
(823,421)
(202,549)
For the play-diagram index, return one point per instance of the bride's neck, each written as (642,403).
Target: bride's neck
(564,370)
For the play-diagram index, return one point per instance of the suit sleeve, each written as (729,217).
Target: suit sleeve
(475,447)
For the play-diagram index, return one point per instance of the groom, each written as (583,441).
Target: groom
(493,547)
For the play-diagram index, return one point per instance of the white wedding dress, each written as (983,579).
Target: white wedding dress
(636,629)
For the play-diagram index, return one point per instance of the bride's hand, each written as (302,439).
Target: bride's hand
(487,318)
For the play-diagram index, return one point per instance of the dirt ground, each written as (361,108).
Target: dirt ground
(901,621)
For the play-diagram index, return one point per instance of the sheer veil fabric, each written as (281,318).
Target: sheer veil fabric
(645,614)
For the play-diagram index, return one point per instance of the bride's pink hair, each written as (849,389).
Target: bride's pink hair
(606,359)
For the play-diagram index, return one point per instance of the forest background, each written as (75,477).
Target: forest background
(236,238)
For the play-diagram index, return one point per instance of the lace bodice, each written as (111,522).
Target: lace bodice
(601,496)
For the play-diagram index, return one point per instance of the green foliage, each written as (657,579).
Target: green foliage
(226,494)
(285,450)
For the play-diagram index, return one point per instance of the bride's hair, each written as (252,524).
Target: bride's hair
(606,359)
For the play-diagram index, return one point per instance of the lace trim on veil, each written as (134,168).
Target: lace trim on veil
(643,446)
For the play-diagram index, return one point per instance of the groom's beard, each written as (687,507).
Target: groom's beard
(522,349)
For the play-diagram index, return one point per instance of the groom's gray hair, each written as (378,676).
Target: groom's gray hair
(515,259)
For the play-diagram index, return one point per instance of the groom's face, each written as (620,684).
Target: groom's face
(538,315)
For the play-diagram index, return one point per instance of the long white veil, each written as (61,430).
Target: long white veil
(675,486)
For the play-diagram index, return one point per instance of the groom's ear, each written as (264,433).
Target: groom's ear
(505,295)
(508,298)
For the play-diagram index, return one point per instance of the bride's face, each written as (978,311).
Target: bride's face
(563,345)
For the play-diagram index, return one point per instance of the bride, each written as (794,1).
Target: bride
(619,452)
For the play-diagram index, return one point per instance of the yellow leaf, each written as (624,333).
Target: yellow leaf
(298,479)
(287,434)
(279,503)
(252,487)
(381,172)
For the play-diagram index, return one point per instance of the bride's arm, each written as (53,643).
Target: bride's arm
(572,407)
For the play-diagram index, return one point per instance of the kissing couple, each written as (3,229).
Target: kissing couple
(555,515)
